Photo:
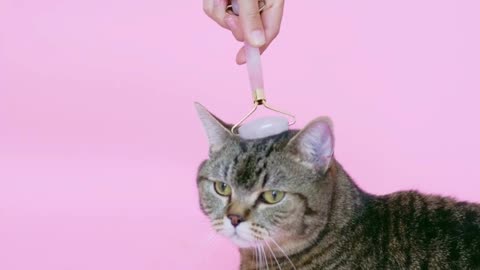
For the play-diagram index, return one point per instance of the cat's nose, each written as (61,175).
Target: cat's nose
(235,219)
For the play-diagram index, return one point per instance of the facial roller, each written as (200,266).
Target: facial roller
(266,126)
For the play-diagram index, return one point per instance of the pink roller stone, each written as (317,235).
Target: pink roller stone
(263,127)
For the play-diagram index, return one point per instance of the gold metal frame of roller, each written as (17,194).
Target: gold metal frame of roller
(258,100)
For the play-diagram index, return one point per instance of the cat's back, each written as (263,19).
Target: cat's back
(409,230)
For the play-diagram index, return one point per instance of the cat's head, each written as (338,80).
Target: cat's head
(270,188)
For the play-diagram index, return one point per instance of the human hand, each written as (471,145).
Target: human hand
(258,29)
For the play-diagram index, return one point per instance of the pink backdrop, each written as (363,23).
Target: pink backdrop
(99,141)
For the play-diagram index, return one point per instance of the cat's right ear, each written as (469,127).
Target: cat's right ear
(217,132)
(313,145)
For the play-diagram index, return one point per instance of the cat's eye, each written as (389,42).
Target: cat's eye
(273,196)
(222,188)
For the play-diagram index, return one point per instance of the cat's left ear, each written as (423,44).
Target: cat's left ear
(313,145)
(217,132)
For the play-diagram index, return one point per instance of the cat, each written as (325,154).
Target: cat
(287,203)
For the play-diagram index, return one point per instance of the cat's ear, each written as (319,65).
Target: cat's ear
(217,132)
(313,145)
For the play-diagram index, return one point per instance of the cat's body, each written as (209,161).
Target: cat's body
(403,230)
(286,201)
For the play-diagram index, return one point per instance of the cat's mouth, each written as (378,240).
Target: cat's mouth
(240,241)
(241,235)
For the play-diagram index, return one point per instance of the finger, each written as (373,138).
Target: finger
(242,57)
(272,19)
(215,9)
(233,24)
(251,22)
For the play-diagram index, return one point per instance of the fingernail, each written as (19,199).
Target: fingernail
(241,59)
(257,38)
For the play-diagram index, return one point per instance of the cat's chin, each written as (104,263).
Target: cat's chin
(241,243)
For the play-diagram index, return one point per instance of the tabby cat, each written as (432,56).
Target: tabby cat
(288,204)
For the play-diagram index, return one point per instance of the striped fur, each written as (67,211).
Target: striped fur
(326,221)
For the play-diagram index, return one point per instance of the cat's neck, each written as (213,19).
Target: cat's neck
(346,201)
(347,198)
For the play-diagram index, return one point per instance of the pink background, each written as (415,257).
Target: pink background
(99,141)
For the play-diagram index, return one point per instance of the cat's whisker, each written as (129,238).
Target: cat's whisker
(264,256)
(257,257)
(281,250)
(260,258)
(273,254)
